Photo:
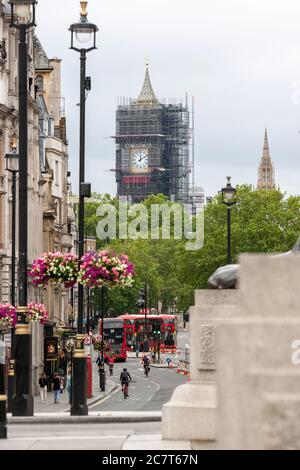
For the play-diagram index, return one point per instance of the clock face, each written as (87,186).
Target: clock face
(139,160)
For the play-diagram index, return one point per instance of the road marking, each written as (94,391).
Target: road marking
(102,400)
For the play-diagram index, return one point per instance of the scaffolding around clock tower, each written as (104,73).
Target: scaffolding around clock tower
(162,130)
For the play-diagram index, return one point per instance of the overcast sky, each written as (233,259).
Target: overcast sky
(239,58)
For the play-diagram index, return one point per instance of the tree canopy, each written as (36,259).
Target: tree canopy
(261,221)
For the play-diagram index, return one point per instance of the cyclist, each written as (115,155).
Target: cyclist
(125,378)
(146,365)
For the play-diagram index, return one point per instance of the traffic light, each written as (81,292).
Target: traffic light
(142,298)
(156,328)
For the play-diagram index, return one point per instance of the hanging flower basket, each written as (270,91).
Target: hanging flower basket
(37,312)
(55,267)
(8,315)
(105,268)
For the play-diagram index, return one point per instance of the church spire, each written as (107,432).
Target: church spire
(147,95)
(266,172)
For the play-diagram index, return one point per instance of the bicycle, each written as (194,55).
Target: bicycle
(146,370)
(125,390)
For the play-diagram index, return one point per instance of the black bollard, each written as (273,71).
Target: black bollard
(102,378)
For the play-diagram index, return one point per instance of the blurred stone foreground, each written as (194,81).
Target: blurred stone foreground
(244,390)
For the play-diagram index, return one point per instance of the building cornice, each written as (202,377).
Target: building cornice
(5,111)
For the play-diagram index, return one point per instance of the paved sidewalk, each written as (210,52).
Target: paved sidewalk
(119,436)
(63,406)
(153,442)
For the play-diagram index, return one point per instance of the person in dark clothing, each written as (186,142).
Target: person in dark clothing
(43,383)
(125,378)
(98,361)
(56,387)
(62,364)
(146,365)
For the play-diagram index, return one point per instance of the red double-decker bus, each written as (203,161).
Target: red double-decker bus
(138,328)
(114,339)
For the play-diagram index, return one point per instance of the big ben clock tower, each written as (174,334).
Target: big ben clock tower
(151,147)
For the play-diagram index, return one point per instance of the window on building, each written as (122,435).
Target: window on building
(56,173)
(39,81)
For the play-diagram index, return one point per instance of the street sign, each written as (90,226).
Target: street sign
(51,349)
(87,340)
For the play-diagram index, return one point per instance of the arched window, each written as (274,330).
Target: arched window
(39,81)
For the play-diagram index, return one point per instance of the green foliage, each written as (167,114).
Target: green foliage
(261,221)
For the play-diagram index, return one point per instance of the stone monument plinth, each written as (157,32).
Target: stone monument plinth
(258,383)
(192,411)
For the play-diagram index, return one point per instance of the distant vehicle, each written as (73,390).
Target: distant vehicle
(114,339)
(137,327)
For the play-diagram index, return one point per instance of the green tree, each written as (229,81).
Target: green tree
(261,221)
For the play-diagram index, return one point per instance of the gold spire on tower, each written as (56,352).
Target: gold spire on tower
(147,95)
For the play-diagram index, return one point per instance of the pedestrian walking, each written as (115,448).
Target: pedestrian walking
(69,384)
(137,350)
(43,383)
(98,361)
(56,387)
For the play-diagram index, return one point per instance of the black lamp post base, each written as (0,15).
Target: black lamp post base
(22,405)
(79,387)
(102,379)
(22,401)
(79,410)
(3,429)
(10,392)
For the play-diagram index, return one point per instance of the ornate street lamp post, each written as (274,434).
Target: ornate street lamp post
(228,198)
(102,368)
(83,40)
(12,166)
(3,419)
(23,18)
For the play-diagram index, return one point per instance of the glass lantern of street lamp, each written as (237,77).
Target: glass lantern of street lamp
(12,158)
(85,32)
(228,193)
(24,10)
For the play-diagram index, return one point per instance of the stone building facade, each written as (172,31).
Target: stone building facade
(53,159)
(48,188)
